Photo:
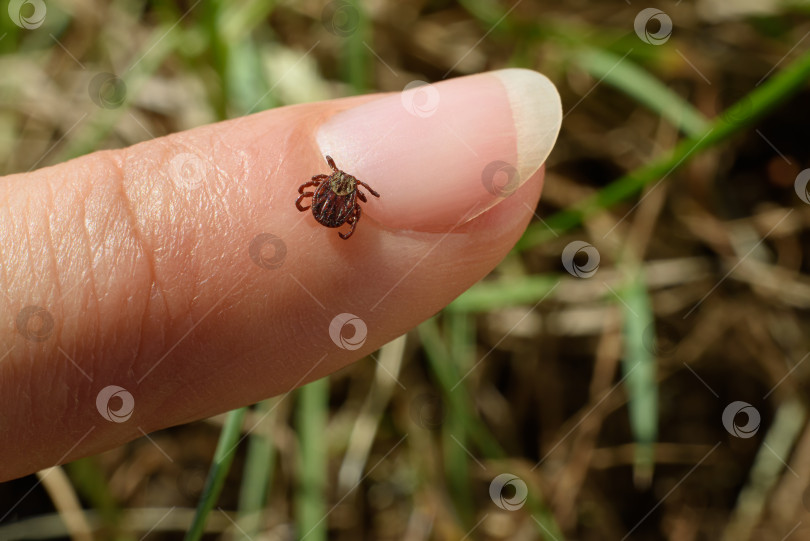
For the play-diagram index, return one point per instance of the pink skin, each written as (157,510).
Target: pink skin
(152,288)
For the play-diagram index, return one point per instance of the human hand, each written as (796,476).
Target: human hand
(180,270)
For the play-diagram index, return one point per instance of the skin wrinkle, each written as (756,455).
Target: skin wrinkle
(48,233)
(235,182)
(139,238)
(91,276)
(245,167)
(132,170)
(26,212)
(119,162)
(209,198)
(187,237)
(95,342)
(83,274)
(99,271)
(4,278)
(229,202)
(14,254)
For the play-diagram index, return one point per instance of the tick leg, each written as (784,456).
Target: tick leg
(352,222)
(308,184)
(320,177)
(361,196)
(367,187)
(300,197)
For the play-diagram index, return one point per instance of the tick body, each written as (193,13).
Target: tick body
(335,199)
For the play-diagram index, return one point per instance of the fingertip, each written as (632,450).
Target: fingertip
(442,154)
(537,114)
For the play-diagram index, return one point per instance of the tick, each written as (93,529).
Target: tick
(334,201)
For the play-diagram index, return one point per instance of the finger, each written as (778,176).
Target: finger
(176,279)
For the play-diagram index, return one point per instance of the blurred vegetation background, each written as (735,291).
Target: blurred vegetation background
(657,393)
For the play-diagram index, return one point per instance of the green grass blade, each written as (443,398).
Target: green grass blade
(11,34)
(462,408)
(498,18)
(247,86)
(92,485)
(236,58)
(244,17)
(355,56)
(495,294)
(639,367)
(223,457)
(458,468)
(210,19)
(310,496)
(756,497)
(542,515)
(257,476)
(455,393)
(640,85)
(455,430)
(734,119)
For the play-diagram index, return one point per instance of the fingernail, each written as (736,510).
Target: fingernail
(441,154)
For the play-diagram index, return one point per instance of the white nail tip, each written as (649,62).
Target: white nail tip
(537,113)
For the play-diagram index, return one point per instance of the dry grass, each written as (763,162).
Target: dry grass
(721,242)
